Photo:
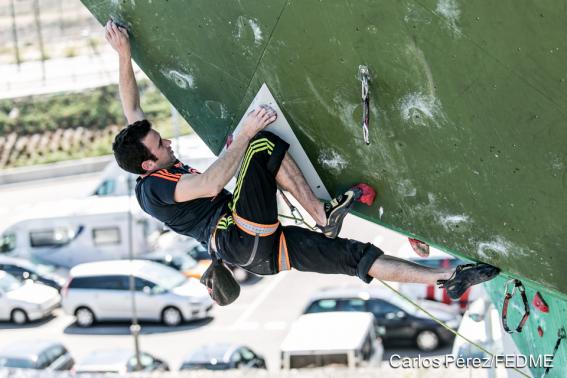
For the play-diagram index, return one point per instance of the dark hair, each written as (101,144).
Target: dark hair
(129,151)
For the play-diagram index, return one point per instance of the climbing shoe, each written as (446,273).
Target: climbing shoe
(336,210)
(466,276)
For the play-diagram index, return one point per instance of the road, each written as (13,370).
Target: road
(260,318)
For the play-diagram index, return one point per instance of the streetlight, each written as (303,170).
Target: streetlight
(134,327)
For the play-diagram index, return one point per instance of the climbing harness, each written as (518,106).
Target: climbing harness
(254,229)
(364,77)
(517,285)
(560,336)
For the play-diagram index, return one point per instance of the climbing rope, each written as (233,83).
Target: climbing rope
(440,322)
(300,220)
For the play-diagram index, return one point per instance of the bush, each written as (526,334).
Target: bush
(92,109)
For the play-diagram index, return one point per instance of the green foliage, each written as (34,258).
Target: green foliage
(92,109)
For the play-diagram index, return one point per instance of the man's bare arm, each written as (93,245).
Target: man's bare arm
(129,94)
(214,179)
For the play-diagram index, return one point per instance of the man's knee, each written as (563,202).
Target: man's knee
(370,254)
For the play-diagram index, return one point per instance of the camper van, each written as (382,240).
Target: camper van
(74,231)
(345,339)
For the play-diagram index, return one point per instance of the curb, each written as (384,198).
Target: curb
(54,170)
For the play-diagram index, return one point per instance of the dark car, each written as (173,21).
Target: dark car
(36,354)
(118,361)
(400,320)
(223,357)
(23,269)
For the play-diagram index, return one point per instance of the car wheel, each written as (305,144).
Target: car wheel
(19,316)
(85,317)
(427,340)
(171,317)
(240,274)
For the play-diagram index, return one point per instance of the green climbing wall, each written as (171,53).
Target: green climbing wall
(467,126)
(529,341)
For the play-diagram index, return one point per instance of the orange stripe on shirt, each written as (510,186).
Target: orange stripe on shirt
(164,177)
(166,173)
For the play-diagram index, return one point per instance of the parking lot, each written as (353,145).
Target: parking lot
(260,318)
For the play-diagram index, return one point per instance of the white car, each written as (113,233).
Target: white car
(332,338)
(117,361)
(100,291)
(25,302)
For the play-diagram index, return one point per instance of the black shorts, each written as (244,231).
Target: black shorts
(254,199)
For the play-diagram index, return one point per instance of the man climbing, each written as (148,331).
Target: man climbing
(243,228)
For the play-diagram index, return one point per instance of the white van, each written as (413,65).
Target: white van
(100,291)
(332,338)
(74,231)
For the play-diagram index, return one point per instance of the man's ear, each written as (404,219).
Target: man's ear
(148,165)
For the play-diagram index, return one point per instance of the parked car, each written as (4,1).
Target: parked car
(100,291)
(223,357)
(73,231)
(171,242)
(401,320)
(335,338)
(25,302)
(118,361)
(36,354)
(23,269)
(179,261)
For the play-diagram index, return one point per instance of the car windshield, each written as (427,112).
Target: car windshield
(8,282)
(7,242)
(163,276)
(177,260)
(9,362)
(205,365)
(184,262)
(42,269)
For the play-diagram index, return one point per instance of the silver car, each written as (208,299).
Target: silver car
(27,301)
(35,354)
(100,291)
(118,361)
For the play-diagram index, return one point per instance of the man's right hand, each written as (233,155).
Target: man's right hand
(118,38)
(258,119)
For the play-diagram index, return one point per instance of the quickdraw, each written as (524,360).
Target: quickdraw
(560,336)
(296,215)
(517,285)
(364,77)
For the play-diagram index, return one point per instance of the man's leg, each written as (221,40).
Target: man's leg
(313,252)
(390,268)
(329,215)
(291,179)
